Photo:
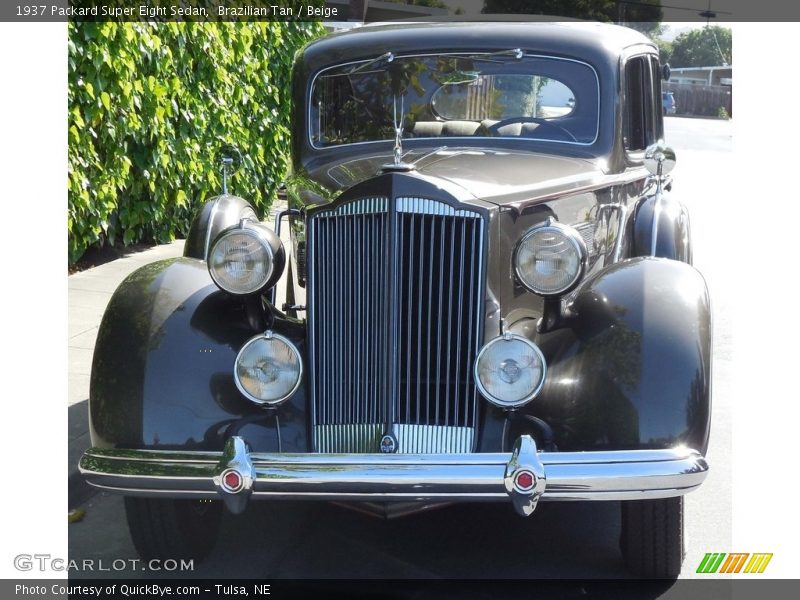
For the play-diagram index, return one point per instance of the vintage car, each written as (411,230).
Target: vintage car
(490,298)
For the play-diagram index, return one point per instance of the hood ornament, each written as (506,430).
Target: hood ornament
(397,120)
(398,146)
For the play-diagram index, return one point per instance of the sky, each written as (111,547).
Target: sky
(675,28)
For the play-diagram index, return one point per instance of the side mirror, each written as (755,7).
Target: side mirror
(666,72)
(659,159)
(229,160)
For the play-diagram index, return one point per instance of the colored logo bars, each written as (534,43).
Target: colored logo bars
(719,562)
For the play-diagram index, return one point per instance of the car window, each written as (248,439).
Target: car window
(504,97)
(439,96)
(642,113)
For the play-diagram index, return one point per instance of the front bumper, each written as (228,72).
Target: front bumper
(523,476)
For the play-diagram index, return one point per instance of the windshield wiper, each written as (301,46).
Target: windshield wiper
(389,57)
(381,60)
(513,53)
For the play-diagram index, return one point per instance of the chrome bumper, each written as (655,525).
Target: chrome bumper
(523,476)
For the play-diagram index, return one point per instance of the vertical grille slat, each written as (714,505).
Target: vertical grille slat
(474,314)
(450,320)
(460,320)
(395,317)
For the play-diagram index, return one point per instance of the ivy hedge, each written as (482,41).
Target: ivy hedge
(149,106)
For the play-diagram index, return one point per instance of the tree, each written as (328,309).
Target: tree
(706,47)
(150,103)
(665,50)
(642,15)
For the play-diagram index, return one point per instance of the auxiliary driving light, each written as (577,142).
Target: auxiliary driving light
(510,370)
(268,369)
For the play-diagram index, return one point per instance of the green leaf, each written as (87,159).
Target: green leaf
(178,90)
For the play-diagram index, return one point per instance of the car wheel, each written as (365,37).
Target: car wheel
(652,537)
(166,528)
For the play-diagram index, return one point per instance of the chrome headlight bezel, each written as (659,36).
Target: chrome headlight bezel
(272,253)
(268,335)
(505,404)
(574,241)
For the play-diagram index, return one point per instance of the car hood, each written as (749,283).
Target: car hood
(496,176)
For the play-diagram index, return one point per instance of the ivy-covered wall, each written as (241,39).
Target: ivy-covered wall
(149,106)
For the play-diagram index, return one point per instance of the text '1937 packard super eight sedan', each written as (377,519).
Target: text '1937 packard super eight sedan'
(490,297)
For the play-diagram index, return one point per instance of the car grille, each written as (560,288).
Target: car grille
(395,321)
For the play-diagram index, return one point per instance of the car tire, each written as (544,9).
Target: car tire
(652,537)
(176,529)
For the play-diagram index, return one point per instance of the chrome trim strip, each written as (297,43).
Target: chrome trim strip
(209,226)
(424,206)
(622,220)
(657,209)
(615,475)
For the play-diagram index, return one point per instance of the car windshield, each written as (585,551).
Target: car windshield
(503,94)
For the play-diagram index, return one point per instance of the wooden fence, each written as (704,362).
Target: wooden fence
(701,100)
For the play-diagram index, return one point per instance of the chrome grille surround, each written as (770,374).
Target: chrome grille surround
(395,321)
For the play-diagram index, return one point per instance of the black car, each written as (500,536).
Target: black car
(490,298)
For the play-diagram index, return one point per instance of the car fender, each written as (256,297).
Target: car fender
(162,374)
(217,214)
(632,367)
(661,228)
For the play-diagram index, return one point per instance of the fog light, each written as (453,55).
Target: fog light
(510,371)
(268,369)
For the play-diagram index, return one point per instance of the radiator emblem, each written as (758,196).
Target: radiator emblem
(388,444)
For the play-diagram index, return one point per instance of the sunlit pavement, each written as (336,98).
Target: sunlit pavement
(702,182)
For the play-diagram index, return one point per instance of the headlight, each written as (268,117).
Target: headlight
(550,258)
(510,371)
(246,258)
(268,369)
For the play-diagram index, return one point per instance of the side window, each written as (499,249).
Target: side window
(642,91)
(658,102)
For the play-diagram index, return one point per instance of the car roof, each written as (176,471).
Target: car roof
(576,39)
